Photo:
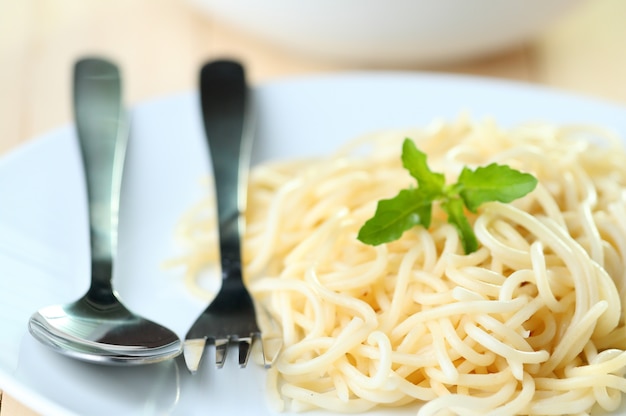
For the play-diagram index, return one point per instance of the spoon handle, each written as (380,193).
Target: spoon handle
(224,96)
(102,130)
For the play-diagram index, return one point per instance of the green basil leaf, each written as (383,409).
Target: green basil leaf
(493,183)
(415,161)
(394,216)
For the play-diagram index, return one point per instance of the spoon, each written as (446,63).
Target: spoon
(97,327)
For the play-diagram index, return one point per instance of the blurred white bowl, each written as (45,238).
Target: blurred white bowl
(390,32)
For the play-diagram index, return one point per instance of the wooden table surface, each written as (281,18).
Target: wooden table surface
(160,45)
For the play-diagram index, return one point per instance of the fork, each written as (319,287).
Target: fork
(231,317)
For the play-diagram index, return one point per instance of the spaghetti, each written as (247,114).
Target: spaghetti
(529,324)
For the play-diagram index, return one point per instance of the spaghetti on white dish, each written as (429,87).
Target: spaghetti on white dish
(44,238)
(532,323)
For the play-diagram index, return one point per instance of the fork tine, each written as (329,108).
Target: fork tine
(271,348)
(244,350)
(221,348)
(193,349)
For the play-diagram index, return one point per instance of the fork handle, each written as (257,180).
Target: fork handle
(224,96)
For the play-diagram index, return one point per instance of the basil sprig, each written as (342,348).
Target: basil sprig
(413,206)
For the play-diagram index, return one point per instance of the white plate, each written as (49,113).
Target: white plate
(43,230)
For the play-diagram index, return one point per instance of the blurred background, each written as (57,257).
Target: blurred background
(574,45)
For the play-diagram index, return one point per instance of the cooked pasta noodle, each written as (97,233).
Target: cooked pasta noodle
(529,324)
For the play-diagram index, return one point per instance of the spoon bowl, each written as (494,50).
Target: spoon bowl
(98,327)
(108,334)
